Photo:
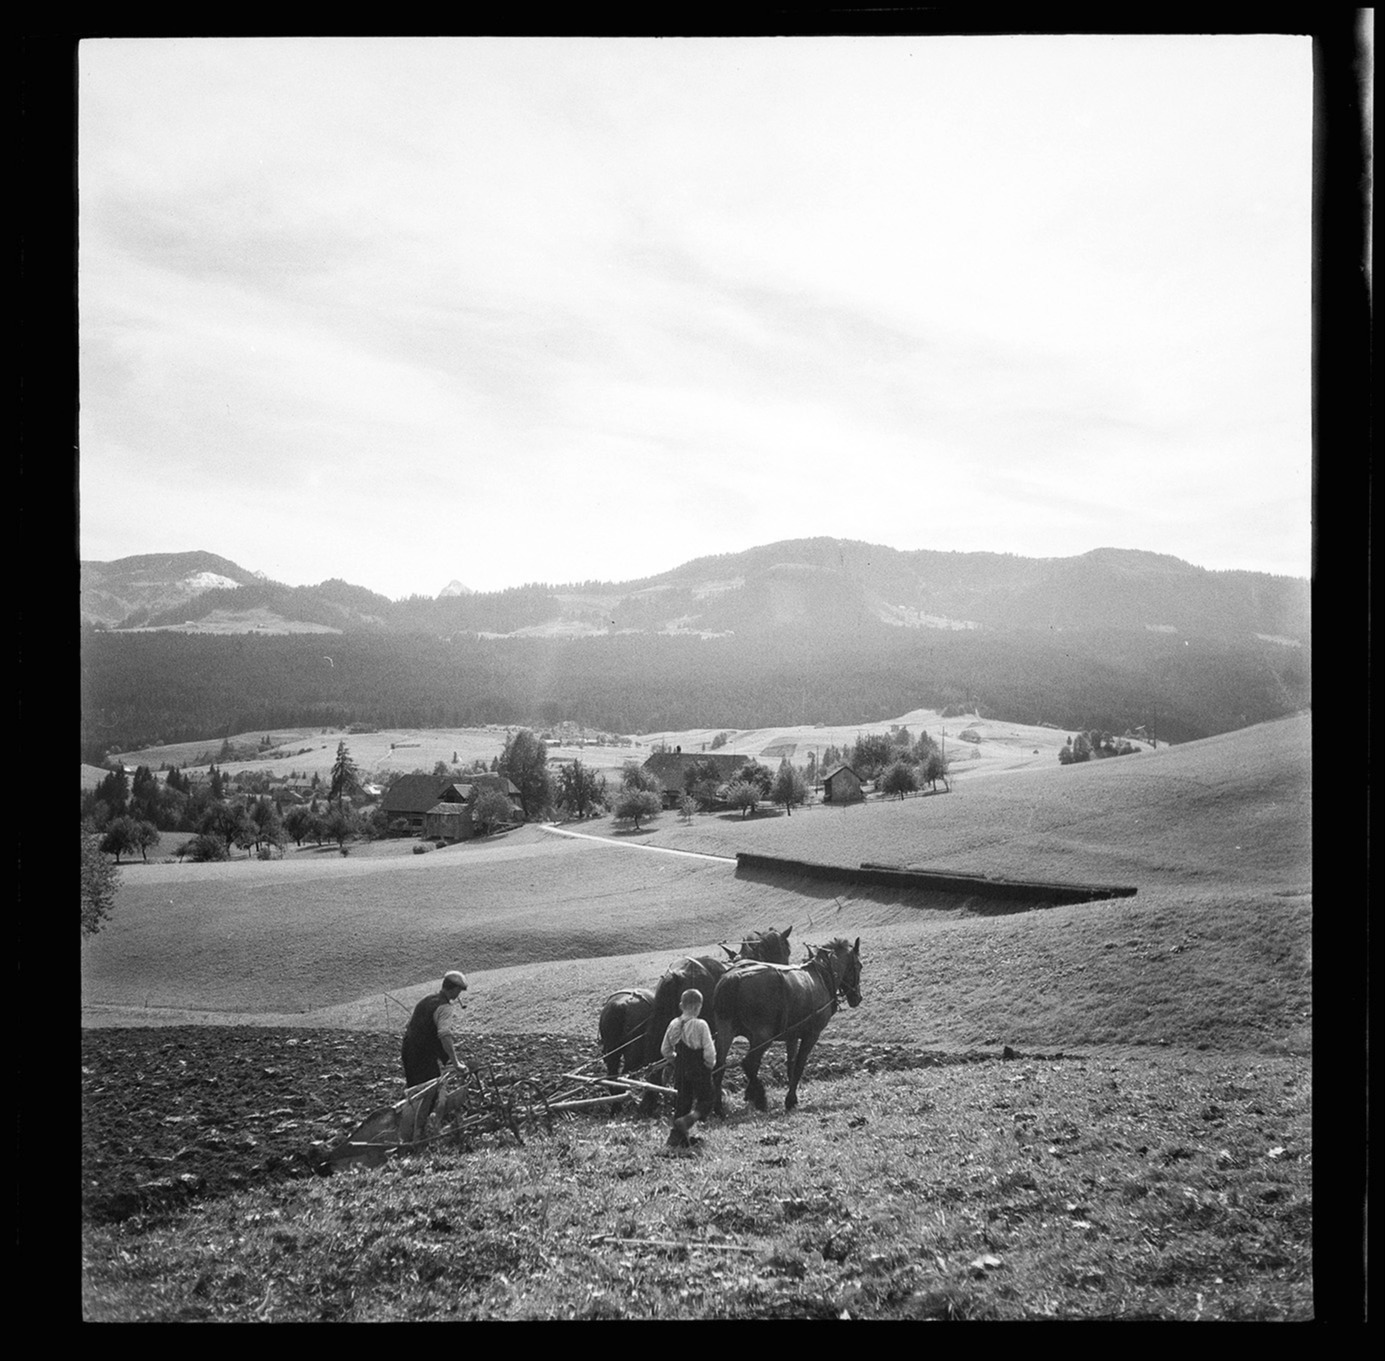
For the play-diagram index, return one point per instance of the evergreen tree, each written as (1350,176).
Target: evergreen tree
(346,779)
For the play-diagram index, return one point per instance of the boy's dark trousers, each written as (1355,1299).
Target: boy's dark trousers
(694,1083)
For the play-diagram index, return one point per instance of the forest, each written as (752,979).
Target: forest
(144,689)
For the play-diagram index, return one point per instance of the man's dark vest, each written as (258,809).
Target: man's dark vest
(421,1036)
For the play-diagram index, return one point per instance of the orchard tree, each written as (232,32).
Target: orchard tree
(634,776)
(790,787)
(743,794)
(341,825)
(525,763)
(492,810)
(899,779)
(126,835)
(269,826)
(761,776)
(100,880)
(634,804)
(297,822)
(581,788)
(935,768)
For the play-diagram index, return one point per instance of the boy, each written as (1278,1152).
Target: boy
(688,1041)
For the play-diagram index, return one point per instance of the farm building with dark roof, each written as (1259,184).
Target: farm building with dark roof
(670,768)
(413,797)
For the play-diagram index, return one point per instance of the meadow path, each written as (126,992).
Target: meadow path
(639,846)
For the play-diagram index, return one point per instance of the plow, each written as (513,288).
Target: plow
(469,1103)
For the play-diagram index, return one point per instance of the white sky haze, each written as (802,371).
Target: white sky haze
(502,310)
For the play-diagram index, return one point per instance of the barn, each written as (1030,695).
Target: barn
(670,768)
(415,797)
(841,784)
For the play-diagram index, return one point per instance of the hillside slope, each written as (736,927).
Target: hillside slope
(1215,948)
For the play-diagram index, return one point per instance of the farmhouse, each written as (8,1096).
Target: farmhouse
(670,768)
(841,784)
(416,798)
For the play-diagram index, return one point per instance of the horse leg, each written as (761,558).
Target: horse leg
(796,1067)
(791,1046)
(750,1066)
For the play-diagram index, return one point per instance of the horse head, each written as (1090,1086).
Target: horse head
(842,965)
(770,947)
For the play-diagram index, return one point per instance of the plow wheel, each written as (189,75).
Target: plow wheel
(526,1109)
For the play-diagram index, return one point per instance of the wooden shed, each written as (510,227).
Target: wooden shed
(448,822)
(841,784)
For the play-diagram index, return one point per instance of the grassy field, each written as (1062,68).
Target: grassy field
(1158,1164)
(1001,746)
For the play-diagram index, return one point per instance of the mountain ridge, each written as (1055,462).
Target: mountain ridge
(833,583)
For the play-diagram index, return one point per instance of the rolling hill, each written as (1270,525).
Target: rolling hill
(1215,946)
(806,631)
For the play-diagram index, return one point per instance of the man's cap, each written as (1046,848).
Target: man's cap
(454,978)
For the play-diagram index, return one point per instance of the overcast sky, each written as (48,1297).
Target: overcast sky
(507,310)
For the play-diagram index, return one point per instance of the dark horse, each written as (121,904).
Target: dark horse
(772,947)
(701,973)
(623,1027)
(768,1002)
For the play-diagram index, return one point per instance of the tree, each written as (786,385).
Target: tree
(269,826)
(100,880)
(525,763)
(205,847)
(231,825)
(346,779)
(491,810)
(580,788)
(790,787)
(761,776)
(297,823)
(871,754)
(114,792)
(899,778)
(633,775)
(144,795)
(743,794)
(126,834)
(634,804)
(341,825)
(935,768)
(702,781)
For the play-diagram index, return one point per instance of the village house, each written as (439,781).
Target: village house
(444,798)
(670,768)
(841,784)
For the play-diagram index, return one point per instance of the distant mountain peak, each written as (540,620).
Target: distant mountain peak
(454,587)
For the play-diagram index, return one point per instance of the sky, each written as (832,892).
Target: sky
(509,310)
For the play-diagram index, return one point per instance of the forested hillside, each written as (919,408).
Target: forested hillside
(142,689)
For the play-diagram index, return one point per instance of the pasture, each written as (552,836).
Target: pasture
(1124,1166)
(1002,746)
